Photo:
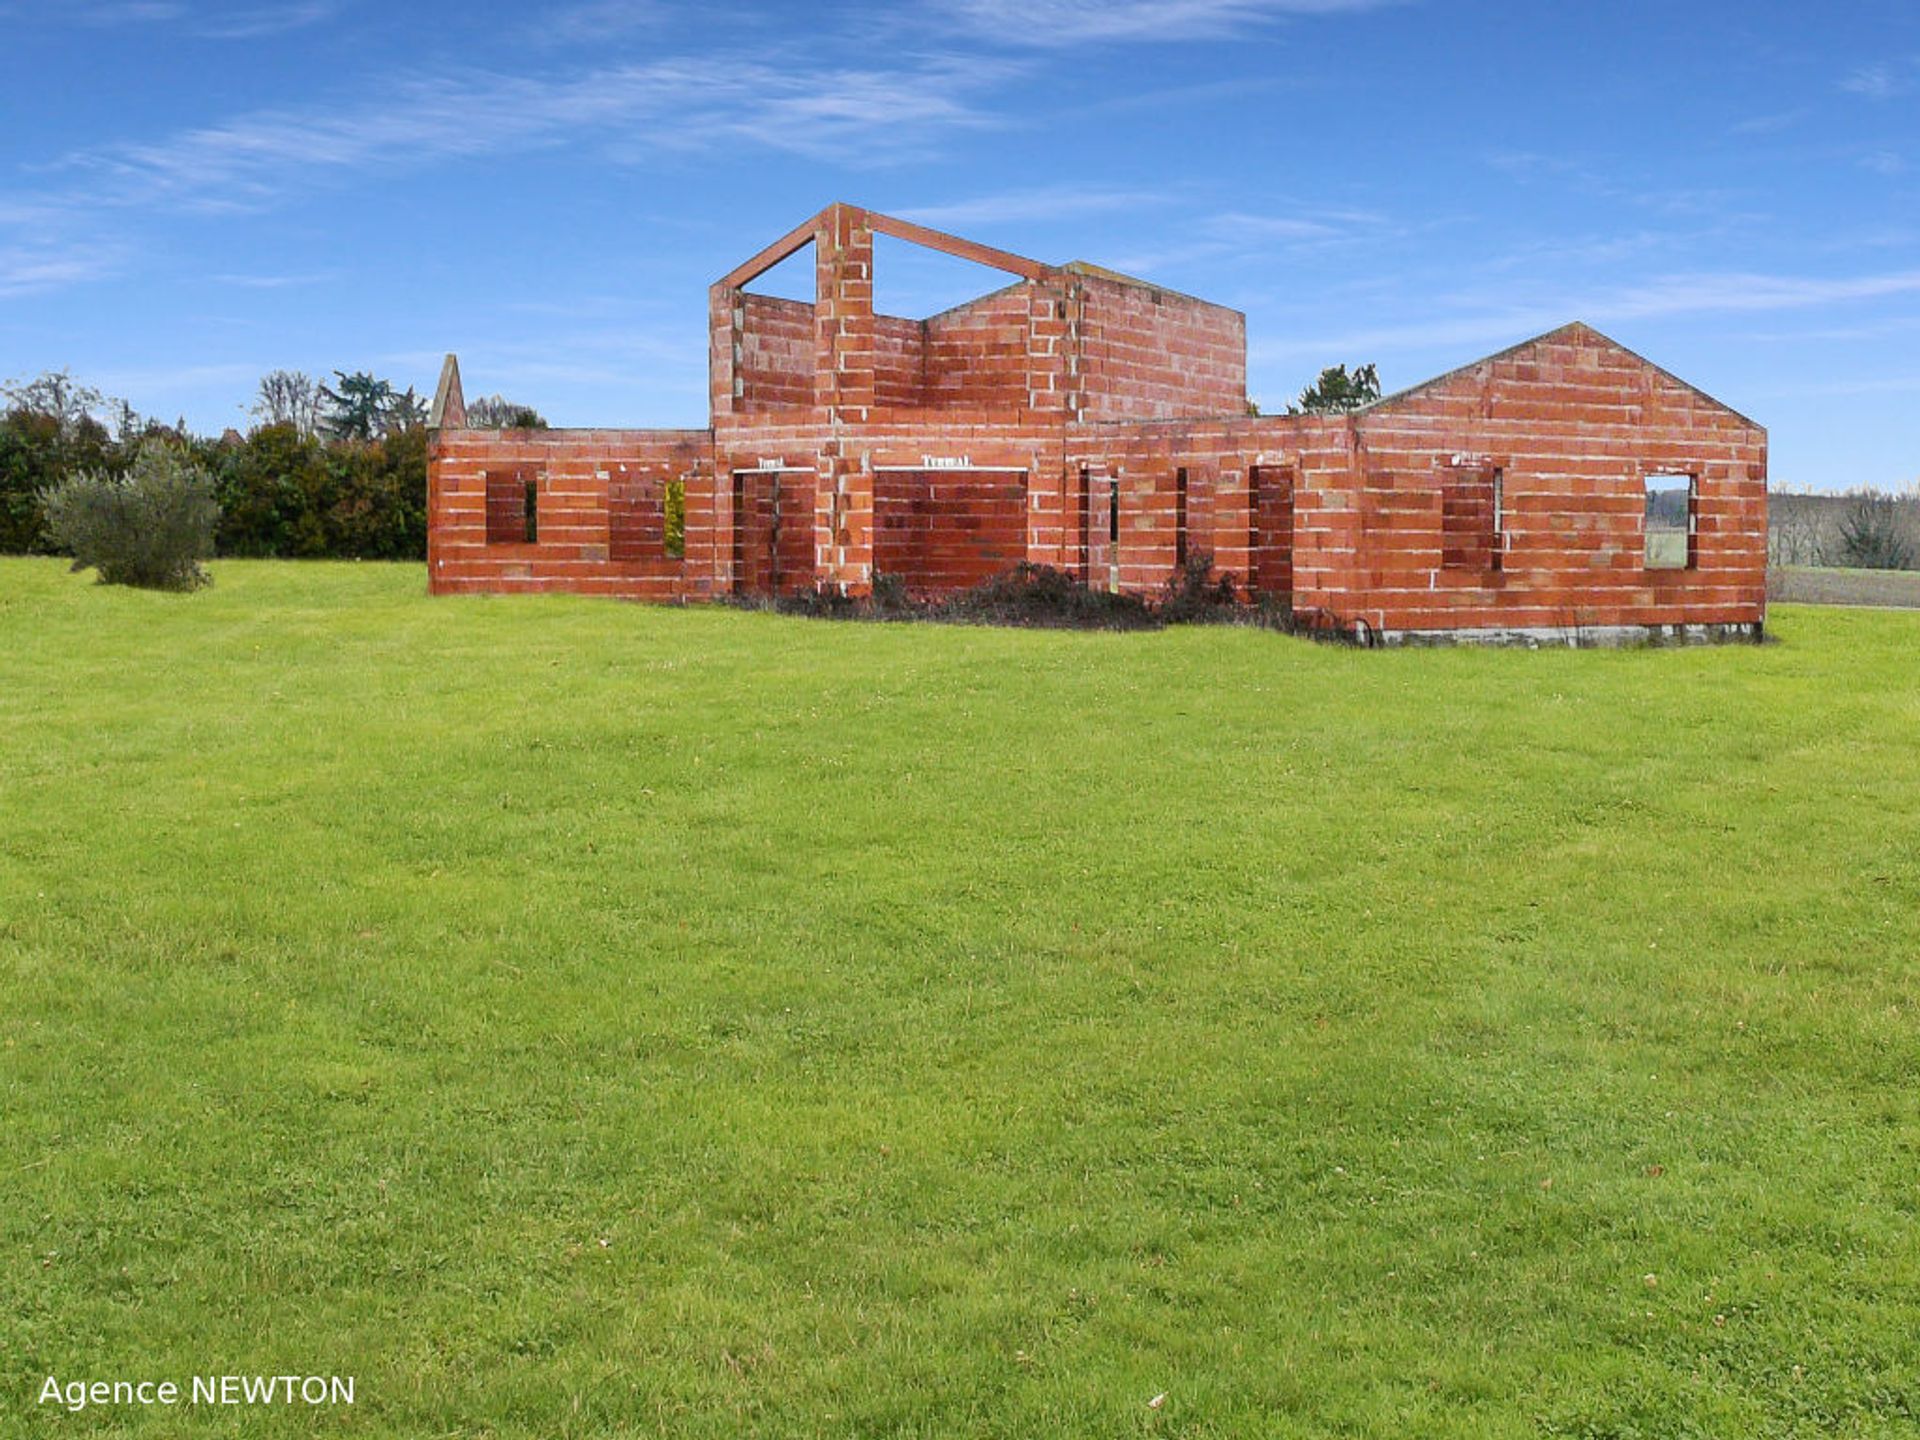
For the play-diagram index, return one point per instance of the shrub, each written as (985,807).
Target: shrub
(1195,595)
(150,527)
(1040,595)
(263,485)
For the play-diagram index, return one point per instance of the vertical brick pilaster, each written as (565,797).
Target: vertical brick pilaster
(726,325)
(844,330)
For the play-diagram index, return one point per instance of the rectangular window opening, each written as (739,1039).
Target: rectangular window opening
(1179,518)
(1672,506)
(1270,532)
(510,507)
(530,514)
(1086,521)
(1498,559)
(673,506)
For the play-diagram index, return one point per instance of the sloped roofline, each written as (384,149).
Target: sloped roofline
(1020,266)
(1571,327)
(803,234)
(1119,277)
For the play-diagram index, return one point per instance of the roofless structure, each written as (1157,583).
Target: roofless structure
(1565,488)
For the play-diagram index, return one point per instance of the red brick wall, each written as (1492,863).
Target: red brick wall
(1148,354)
(775,369)
(977,353)
(1145,460)
(600,526)
(1574,423)
(1384,519)
(944,530)
(899,361)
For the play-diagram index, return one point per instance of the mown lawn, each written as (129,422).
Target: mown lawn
(575,1019)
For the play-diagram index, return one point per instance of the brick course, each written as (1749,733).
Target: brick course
(844,443)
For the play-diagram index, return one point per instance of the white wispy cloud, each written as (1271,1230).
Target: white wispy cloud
(1060,23)
(30,269)
(208,21)
(629,110)
(595,20)
(1771,124)
(1042,203)
(1488,320)
(254,21)
(275,282)
(110,12)
(1884,79)
(1223,236)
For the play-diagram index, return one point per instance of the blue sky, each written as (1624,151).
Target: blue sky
(193,192)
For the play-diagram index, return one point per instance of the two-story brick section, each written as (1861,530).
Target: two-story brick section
(1080,419)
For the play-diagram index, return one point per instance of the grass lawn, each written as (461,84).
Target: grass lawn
(572,1018)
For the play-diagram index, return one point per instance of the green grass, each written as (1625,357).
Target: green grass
(574,1019)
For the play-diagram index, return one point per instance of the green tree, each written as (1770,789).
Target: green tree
(364,407)
(355,408)
(1337,392)
(50,429)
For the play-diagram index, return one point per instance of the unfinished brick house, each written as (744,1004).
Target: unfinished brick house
(1564,489)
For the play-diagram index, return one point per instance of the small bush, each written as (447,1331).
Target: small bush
(1043,596)
(1195,595)
(150,527)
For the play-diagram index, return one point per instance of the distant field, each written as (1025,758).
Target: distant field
(1808,585)
(577,1019)
(1668,549)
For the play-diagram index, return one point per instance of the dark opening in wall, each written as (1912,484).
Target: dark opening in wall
(530,521)
(1270,530)
(1672,508)
(1086,524)
(635,523)
(1180,517)
(673,518)
(512,509)
(1498,560)
(773,539)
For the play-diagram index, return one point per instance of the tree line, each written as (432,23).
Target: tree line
(326,471)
